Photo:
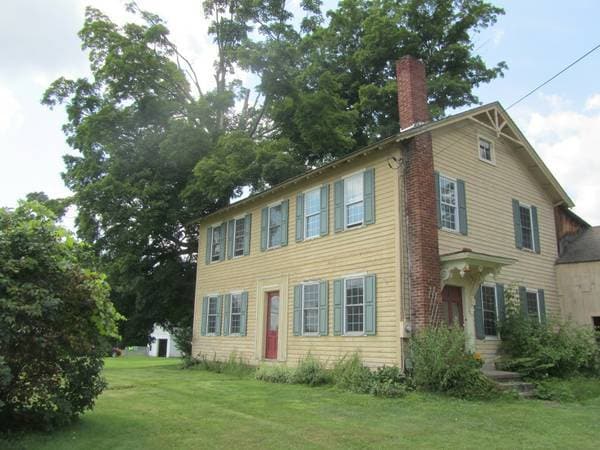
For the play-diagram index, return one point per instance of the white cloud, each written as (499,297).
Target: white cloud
(593,103)
(568,140)
(11,111)
(498,36)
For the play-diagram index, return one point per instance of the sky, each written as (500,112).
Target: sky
(39,43)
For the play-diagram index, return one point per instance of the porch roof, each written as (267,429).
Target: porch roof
(466,261)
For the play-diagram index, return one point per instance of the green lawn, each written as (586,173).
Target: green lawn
(153,404)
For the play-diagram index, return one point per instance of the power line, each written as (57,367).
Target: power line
(552,78)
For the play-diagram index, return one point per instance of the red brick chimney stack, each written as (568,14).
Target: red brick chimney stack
(421,210)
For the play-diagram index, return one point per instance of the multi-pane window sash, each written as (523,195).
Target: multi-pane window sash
(533,309)
(211,317)
(526,227)
(354,305)
(236,314)
(310,308)
(275,217)
(490,310)
(216,244)
(238,236)
(354,200)
(312,213)
(448,203)
(485,149)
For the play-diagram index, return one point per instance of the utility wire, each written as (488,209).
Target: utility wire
(552,78)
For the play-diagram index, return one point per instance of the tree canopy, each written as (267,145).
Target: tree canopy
(156,151)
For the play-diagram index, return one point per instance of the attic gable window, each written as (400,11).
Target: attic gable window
(486,150)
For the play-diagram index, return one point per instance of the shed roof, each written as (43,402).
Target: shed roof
(584,248)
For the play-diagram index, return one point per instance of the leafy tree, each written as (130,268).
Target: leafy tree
(55,320)
(57,205)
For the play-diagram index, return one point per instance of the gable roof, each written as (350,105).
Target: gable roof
(584,248)
(492,115)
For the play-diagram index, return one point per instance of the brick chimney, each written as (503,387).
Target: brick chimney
(421,209)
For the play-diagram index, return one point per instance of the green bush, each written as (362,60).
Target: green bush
(574,389)
(388,381)
(310,371)
(235,365)
(275,374)
(55,320)
(441,364)
(538,350)
(350,374)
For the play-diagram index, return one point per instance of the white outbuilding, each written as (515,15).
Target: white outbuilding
(162,344)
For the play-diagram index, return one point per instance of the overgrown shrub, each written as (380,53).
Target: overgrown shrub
(441,364)
(182,336)
(388,381)
(557,348)
(350,374)
(310,371)
(275,374)
(574,389)
(55,320)
(235,365)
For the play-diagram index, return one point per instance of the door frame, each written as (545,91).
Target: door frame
(263,287)
(269,295)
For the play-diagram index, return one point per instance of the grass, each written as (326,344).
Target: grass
(152,404)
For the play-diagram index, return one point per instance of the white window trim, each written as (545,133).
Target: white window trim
(231,312)
(456,207)
(356,225)
(491,337)
(492,150)
(235,219)
(305,216)
(212,238)
(354,333)
(310,283)
(273,205)
(532,249)
(216,297)
(537,302)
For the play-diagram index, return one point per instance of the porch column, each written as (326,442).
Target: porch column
(469,291)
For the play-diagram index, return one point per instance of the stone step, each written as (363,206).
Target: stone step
(501,375)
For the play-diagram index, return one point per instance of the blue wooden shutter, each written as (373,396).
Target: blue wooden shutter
(369,196)
(462,207)
(219,315)
(208,244)
(338,204)
(438,207)
(542,305)
(500,298)
(324,216)
(523,298)
(223,241)
(517,223)
(370,305)
(264,228)
(299,217)
(285,209)
(338,306)
(244,314)
(247,231)
(226,314)
(323,308)
(536,229)
(230,239)
(204,316)
(479,328)
(298,310)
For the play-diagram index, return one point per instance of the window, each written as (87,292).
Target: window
(235,320)
(216,244)
(533,307)
(490,309)
(238,236)
(353,200)
(274,222)
(526,227)
(211,316)
(485,150)
(448,203)
(354,305)
(310,308)
(312,213)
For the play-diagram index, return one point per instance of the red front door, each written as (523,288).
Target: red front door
(452,310)
(272,325)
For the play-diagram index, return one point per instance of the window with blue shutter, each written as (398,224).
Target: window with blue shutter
(338,306)
(247,231)
(204,316)
(527,233)
(274,226)
(355,306)
(244,314)
(479,324)
(300,217)
(354,200)
(451,203)
(311,309)
(208,245)
(212,315)
(324,210)
(226,314)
